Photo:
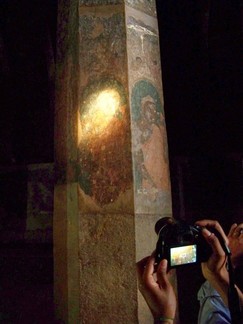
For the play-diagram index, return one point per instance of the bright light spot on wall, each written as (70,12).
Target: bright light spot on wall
(99,110)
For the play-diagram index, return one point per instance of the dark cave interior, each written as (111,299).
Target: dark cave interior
(201,46)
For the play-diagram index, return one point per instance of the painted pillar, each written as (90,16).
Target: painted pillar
(115,159)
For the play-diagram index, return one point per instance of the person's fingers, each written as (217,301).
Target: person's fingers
(145,270)
(141,265)
(217,261)
(212,239)
(162,273)
(148,277)
(214,225)
(232,229)
(238,230)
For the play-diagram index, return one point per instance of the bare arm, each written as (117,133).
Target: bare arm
(157,289)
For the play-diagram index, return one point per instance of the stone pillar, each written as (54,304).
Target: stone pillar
(66,216)
(112,149)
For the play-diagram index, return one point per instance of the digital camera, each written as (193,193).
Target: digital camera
(180,243)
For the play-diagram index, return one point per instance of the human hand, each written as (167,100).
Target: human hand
(235,238)
(214,269)
(216,262)
(156,287)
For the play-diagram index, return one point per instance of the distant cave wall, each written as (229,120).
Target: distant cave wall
(26,204)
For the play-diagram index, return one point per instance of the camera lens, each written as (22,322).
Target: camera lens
(162,222)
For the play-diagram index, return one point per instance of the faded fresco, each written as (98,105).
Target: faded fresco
(40,188)
(123,62)
(147,6)
(102,46)
(143,49)
(150,142)
(104,154)
(26,204)
(149,139)
(100,2)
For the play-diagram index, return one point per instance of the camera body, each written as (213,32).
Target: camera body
(180,243)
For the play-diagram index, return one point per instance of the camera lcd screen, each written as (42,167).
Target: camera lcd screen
(183,255)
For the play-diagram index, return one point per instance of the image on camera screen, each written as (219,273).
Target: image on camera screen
(183,255)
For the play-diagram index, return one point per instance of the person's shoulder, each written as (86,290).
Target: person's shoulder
(206,290)
(212,308)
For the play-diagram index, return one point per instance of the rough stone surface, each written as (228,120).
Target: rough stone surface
(107,267)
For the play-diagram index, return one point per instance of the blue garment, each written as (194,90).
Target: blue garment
(212,308)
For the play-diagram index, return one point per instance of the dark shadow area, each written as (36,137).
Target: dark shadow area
(27,67)
(26,283)
(201,56)
(201,46)
(28,44)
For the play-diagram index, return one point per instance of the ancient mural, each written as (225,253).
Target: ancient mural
(144,50)
(100,2)
(150,142)
(104,135)
(147,6)
(149,139)
(104,157)
(40,203)
(122,73)
(102,46)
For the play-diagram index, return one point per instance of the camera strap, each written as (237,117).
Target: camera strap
(233,298)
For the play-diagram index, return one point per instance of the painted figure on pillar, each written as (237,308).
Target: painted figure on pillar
(150,145)
(104,154)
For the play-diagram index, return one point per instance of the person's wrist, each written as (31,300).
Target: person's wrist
(163,319)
